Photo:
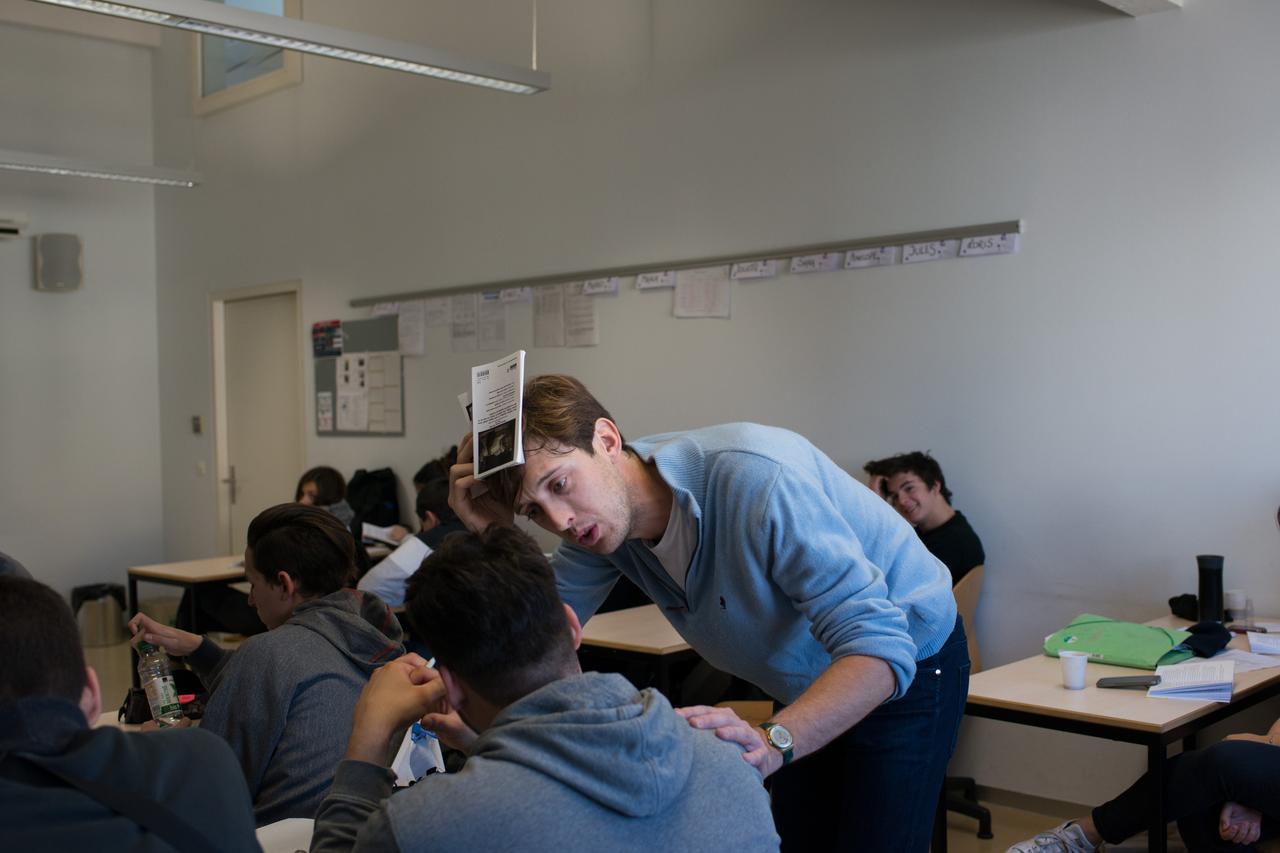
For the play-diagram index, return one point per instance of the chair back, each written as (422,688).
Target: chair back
(967,592)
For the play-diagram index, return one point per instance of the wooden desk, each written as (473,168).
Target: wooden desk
(1030,692)
(638,634)
(189,575)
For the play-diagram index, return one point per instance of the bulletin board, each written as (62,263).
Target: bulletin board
(361,391)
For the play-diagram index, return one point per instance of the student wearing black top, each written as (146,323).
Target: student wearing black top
(914,485)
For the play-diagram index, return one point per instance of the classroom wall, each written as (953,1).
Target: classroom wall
(79,400)
(1102,402)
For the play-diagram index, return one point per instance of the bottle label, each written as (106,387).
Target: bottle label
(162,696)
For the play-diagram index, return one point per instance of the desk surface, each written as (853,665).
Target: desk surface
(193,571)
(1035,685)
(636,629)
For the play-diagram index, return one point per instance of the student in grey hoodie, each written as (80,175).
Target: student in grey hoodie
(564,760)
(284,698)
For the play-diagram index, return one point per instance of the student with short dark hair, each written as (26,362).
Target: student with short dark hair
(283,699)
(914,485)
(326,488)
(435,469)
(564,760)
(67,786)
(387,579)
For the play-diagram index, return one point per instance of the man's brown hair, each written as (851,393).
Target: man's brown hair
(560,415)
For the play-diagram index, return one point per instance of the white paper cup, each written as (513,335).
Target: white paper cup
(1234,602)
(1073,665)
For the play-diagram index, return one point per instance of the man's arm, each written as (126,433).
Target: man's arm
(848,690)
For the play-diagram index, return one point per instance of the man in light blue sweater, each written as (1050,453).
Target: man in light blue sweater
(564,761)
(777,566)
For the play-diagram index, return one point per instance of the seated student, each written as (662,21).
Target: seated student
(67,786)
(1221,796)
(283,699)
(435,469)
(913,484)
(564,760)
(386,580)
(326,488)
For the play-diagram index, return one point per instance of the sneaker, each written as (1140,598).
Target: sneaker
(1067,838)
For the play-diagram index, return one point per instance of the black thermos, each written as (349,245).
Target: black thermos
(1210,586)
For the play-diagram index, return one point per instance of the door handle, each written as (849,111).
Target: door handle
(231,481)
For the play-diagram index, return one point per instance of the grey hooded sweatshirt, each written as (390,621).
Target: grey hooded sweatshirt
(284,699)
(587,763)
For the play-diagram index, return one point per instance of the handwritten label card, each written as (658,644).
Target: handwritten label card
(816,263)
(881,256)
(651,280)
(517,294)
(754,269)
(991,244)
(935,250)
(597,286)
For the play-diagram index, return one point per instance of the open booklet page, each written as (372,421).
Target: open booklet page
(497,398)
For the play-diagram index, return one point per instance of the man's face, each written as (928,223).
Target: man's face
(273,604)
(580,497)
(913,500)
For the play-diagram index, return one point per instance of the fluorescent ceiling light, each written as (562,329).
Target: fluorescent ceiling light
(23,161)
(216,19)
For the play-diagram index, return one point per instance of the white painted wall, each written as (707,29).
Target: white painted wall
(79,401)
(1103,403)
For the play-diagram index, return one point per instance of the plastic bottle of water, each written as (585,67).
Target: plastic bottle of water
(157,681)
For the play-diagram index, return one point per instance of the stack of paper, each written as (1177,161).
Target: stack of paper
(1264,644)
(1209,681)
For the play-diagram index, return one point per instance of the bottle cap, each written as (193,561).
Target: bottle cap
(145,648)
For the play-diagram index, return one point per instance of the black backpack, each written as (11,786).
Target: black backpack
(374,496)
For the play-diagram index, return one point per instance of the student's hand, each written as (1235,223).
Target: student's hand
(396,533)
(470,498)
(175,642)
(448,726)
(1255,738)
(397,694)
(1239,824)
(729,726)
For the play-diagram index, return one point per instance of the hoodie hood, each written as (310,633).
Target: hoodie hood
(624,748)
(356,623)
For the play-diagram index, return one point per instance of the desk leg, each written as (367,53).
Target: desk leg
(133,608)
(1156,829)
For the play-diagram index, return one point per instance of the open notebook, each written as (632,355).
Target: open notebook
(1205,680)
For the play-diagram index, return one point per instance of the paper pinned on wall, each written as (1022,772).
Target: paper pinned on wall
(816,263)
(382,309)
(880,256)
(599,286)
(934,250)
(462,332)
(353,373)
(491,321)
(324,411)
(353,411)
(702,293)
(548,315)
(990,244)
(517,294)
(412,327)
(654,280)
(581,328)
(754,269)
(437,311)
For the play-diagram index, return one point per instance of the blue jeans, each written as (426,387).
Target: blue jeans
(876,786)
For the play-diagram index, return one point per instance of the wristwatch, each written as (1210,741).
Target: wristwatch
(779,737)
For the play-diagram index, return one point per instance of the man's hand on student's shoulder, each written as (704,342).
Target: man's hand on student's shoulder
(729,726)
(470,498)
(397,694)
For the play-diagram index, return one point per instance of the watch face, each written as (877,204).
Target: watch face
(780,737)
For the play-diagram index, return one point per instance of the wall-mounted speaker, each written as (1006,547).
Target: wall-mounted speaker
(59,262)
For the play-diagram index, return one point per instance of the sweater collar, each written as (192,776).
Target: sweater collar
(39,724)
(682,464)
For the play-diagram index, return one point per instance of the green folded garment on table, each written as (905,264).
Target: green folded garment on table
(1119,643)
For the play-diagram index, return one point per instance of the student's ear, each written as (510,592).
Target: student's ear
(575,627)
(609,437)
(430,520)
(286,583)
(452,689)
(91,697)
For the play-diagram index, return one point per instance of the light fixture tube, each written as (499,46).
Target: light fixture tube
(23,161)
(203,16)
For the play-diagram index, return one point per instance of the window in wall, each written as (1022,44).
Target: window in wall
(228,72)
